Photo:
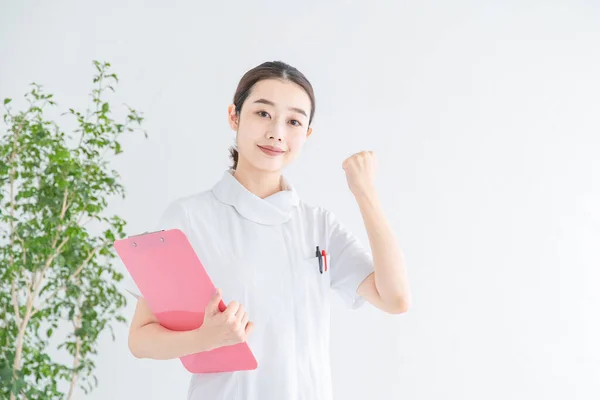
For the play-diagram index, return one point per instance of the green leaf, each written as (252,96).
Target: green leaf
(6,101)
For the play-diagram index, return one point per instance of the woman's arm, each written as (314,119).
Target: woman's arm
(149,339)
(387,288)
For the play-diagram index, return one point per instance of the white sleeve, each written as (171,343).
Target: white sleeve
(351,263)
(174,217)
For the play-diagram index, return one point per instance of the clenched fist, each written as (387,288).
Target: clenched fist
(360,172)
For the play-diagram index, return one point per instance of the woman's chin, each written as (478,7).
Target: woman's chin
(272,165)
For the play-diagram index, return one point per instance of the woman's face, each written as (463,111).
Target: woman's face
(273,124)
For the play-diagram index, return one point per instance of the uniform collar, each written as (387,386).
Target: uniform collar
(272,210)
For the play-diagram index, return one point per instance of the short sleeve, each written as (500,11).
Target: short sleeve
(174,217)
(351,262)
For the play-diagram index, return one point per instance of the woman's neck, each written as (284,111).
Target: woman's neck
(261,183)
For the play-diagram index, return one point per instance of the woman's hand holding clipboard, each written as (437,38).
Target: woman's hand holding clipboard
(224,328)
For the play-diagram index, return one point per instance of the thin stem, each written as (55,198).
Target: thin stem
(75,274)
(19,347)
(77,325)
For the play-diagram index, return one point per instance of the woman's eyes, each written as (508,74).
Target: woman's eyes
(294,122)
(262,113)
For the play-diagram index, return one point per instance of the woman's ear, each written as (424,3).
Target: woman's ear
(232,117)
(308,133)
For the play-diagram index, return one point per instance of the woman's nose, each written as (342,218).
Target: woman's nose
(275,131)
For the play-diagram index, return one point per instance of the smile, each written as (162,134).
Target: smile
(270,151)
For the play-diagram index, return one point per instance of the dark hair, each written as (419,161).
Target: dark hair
(268,70)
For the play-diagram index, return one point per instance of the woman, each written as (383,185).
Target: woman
(258,242)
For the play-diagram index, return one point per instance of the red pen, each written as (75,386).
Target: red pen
(324,254)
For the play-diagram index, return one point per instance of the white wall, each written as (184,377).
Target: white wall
(484,117)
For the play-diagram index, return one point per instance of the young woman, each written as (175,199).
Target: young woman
(258,242)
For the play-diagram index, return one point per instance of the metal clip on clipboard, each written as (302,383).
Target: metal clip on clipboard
(146,233)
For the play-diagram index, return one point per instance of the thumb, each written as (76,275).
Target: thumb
(213,304)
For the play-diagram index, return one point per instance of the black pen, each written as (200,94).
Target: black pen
(320,257)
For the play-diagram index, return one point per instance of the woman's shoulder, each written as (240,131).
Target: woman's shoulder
(204,196)
(202,201)
(316,211)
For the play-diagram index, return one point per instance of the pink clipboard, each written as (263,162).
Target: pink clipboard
(175,285)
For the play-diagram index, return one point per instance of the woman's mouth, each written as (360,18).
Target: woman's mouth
(271,151)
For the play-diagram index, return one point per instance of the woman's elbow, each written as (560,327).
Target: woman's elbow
(399,306)
(133,344)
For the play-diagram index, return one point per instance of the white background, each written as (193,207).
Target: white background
(485,120)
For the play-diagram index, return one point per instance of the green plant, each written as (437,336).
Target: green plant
(54,271)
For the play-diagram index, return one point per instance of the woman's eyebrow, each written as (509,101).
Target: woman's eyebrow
(270,103)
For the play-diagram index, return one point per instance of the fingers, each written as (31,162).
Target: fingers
(213,304)
(232,309)
(244,320)
(237,316)
(249,328)
(360,157)
(240,313)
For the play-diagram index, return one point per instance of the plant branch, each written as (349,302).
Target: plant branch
(12,228)
(15,298)
(77,325)
(76,273)
(37,279)
(15,301)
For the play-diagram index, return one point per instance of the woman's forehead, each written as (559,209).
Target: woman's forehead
(281,93)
